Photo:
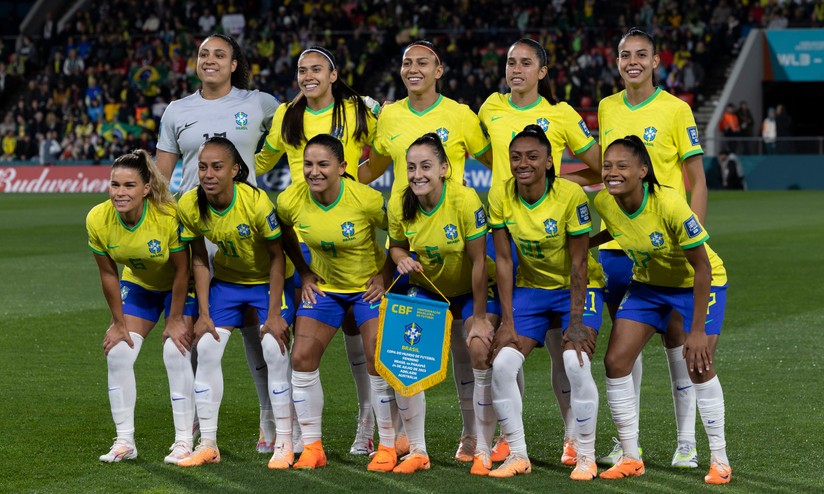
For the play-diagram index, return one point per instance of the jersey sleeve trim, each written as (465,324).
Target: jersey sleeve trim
(696,244)
(273,237)
(98,252)
(482,151)
(266,143)
(580,232)
(189,239)
(589,145)
(692,153)
(497,226)
(182,247)
(477,235)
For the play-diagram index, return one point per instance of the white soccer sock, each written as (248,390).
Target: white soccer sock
(181,390)
(383,397)
(560,381)
(711,407)
(507,399)
(122,387)
(260,375)
(683,395)
(464,379)
(622,404)
(413,412)
(280,394)
(209,381)
(583,402)
(307,394)
(637,375)
(357,364)
(484,410)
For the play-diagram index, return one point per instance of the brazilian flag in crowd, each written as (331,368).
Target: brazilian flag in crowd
(149,78)
(110,130)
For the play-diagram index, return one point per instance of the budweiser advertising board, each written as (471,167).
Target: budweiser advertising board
(54,178)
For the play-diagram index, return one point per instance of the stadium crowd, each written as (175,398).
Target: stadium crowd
(98,86)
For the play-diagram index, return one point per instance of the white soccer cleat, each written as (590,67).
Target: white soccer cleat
(120,450)
(179,451)
(615,455)
(364,443)
(686,456)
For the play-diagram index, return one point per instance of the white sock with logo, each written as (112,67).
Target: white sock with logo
(357,364)
(122,386)
(711,407)
(181,390)
(260,375)
(583,402)
(383,397)
(622,404)
(637,375)
(484,410)
(683,395)
(464,379)
(280,388)
(413,413)
(560,381)
(506,397)
(307,395)
(209,381)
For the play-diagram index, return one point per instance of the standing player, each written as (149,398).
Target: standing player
(138,227)
(249,269)
(530,101)
(326,105)
(668,130)
(548,219)
(337,218)
(222,107)
(674,269)
(445,223)
(426,110)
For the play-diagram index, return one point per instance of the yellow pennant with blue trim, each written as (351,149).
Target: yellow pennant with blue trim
(412,352)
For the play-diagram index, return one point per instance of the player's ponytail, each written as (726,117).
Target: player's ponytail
(535,131)
(159,194)
(544,85)
(411,204)
(242,73)
(634,144)
(292,131)
(334,146)
(241,177)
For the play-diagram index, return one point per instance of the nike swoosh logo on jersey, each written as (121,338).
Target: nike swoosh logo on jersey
(496,118)
(607,132)
(303,227)
(616,235)
(409,233)
(394,137)
(189,125)
(112,246)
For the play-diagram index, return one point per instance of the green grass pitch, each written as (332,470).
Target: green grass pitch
(55,420)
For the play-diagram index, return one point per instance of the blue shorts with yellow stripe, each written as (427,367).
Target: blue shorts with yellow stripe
(533,309)
(649,304)
(148,304)
(617,274)
(332,308)
(228,302)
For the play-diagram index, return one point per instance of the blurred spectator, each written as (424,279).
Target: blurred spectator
(747,124)
(769,131)
(9,145)
(732,173)
(49,148)
(729,126)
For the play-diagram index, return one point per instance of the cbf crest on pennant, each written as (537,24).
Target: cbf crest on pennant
(412,350)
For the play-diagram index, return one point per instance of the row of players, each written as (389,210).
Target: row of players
(675,257)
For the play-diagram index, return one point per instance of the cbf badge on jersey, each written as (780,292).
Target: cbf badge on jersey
(412,351)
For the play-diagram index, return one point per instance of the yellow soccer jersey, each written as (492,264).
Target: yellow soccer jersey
(503,120)
(656,235)
(314,123)
(439,237)
(341,236)
(239,232)
(143,249)
(540,230)
(458,127)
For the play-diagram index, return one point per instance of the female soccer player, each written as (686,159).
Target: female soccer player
(222,107)
(337,218)
(326,105)
(548,218)
(248,272)
(138,228)
(426,110)
(530,101)
(674,269)
(445,223)
(667,127)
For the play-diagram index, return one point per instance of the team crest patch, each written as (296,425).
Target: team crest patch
(584,128)
(692,132)
(480,217)
(124,292)
(551,227)
(272,219)
(583,214)
(451,231)
(649,134)
(242,120)
(348,229)
(693,227)
(443,133)
(657,239)
(154,246)
(544,123)
(412,334)
(244,231)
(306,305)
